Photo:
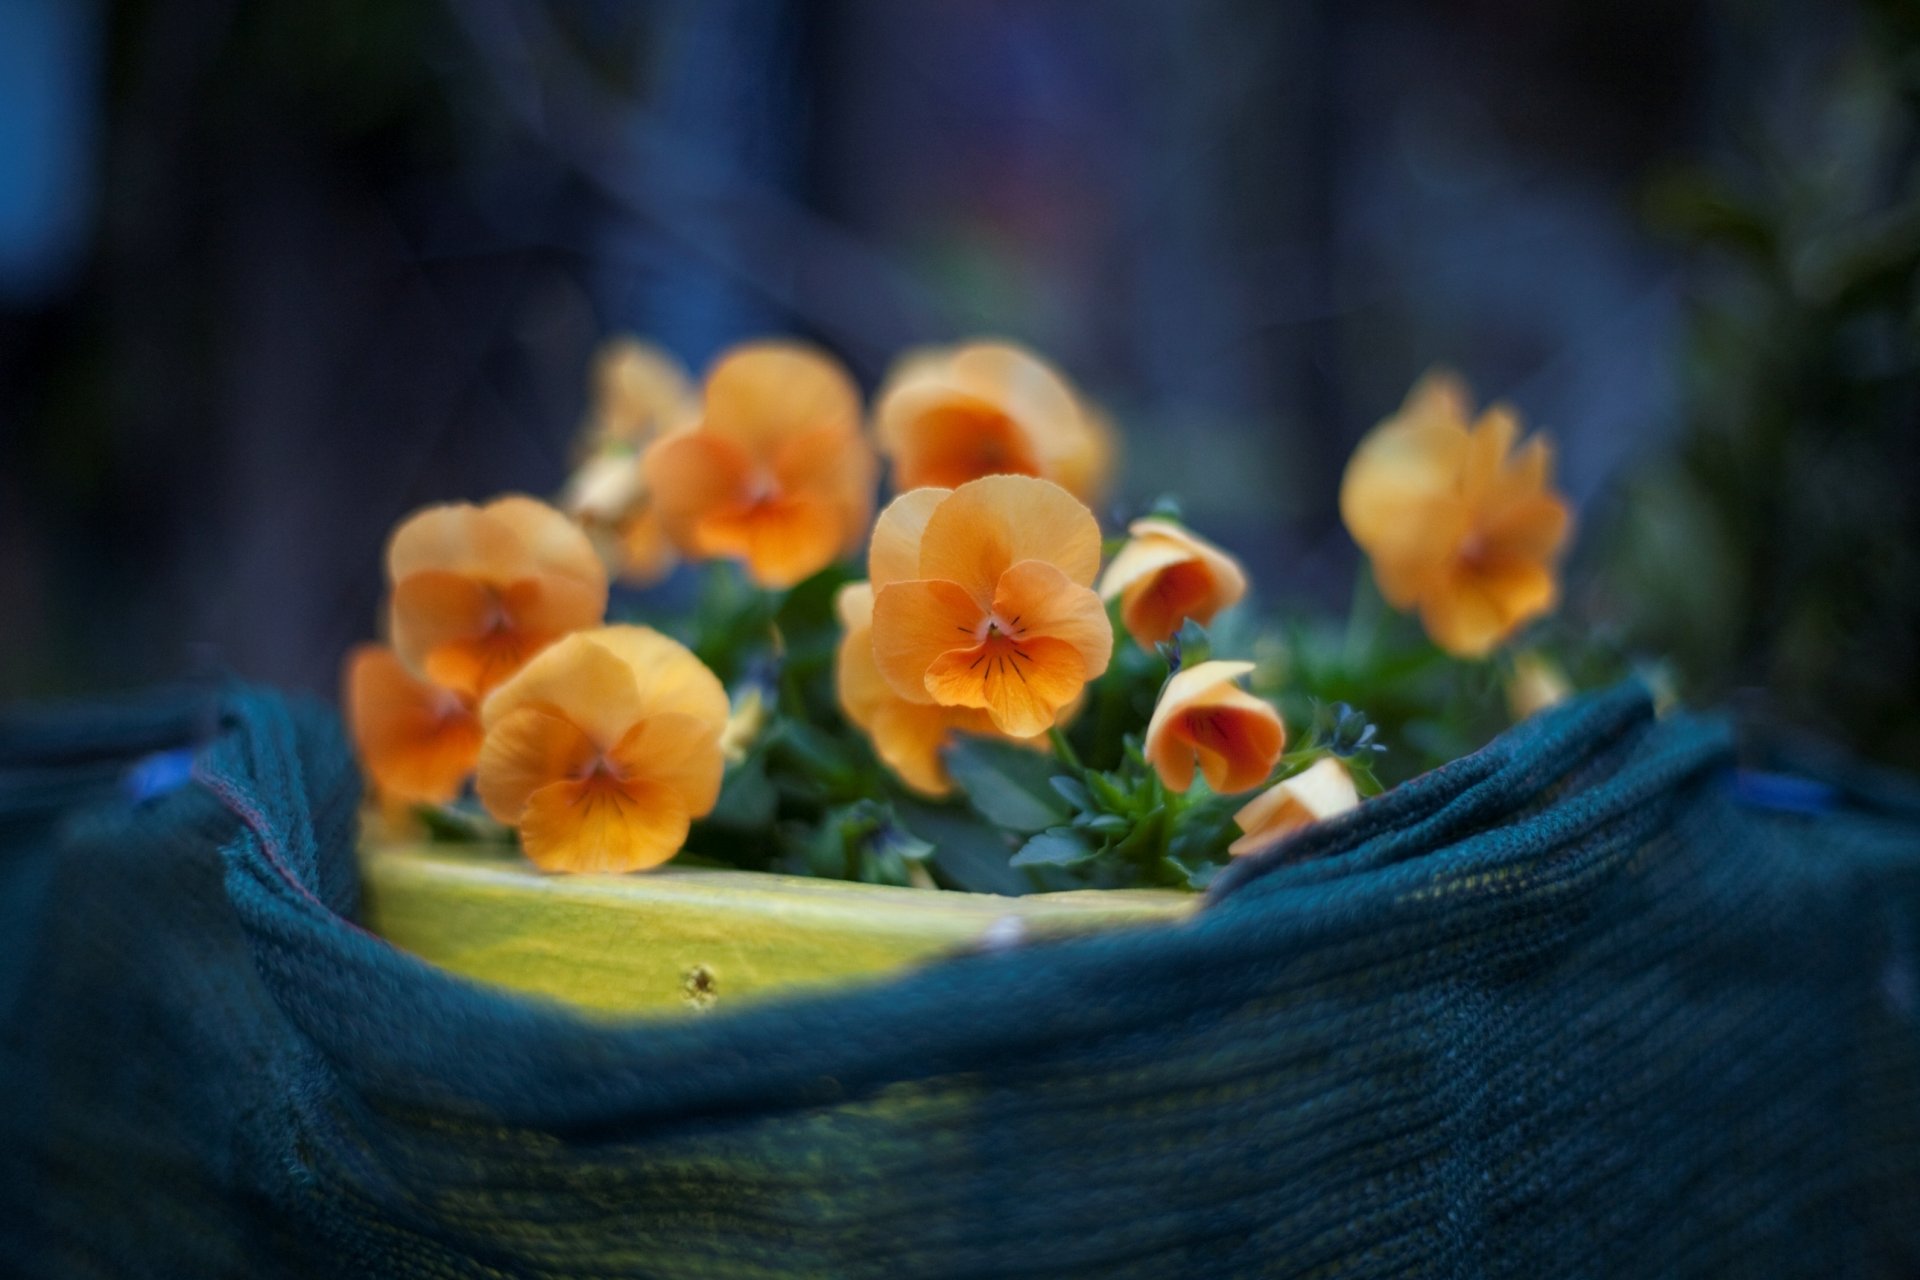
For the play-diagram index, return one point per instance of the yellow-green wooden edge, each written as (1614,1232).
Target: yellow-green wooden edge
(690,940)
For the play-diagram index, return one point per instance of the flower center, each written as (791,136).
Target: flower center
(994,627)
(1474,549)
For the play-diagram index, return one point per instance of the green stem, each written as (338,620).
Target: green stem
(1063,750)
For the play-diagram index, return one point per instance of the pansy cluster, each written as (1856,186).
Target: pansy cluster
(1007,699)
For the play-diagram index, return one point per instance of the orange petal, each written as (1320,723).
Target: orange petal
(836,466)
(1021,684)
(782,539)
(598,825)
(679,753)
(1318,792)
(639,391)
(525,751)
(646,553)
(1529,528)
(861,689)
(435,607)
(762,394)
(692,475)
(1167,574)
(986,526)
(1029,387)
(894,555)
(1402,471)
(1034,600)
(551,540)
(908,738)
(417,741)
(667,678)
(1202,714)
(914,624)
(456,538)
(944,438)
(476,665)
(1478,606)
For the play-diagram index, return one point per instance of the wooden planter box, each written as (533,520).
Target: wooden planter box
(693,940)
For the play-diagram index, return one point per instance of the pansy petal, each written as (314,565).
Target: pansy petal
(986,526)
(782,540)
(1142,556)
(1035,599)
(1479,607)
(1166,574)
(908,738)
(456,538)
(524,751)
(914,624)
(476,665)
(1403,475)
(433,607)
(1236,736)
(666,677)
(1022,685)
(576,678)
(646,553)
(762,394)
(553,542)
(552,605)
(1490,442)
(894,555)
(598,826)
(639,391)
(417,741)
(678,752)
(1530,528)
(1323,790)
(692,474)
(860,687)
(944,437)
(834,465)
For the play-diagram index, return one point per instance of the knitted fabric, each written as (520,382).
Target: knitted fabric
(1589,1002)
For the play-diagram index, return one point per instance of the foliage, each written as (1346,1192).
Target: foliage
(1780,547)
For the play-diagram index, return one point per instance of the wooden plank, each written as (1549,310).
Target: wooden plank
(691,940)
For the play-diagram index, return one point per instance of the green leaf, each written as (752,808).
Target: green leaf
(1103,824)
(1073,791)
(808,606)
(1058,847)
(1009,786)
(968,854)
(747,796)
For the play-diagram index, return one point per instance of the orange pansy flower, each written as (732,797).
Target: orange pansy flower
(603,749)
(417,741)
(640,394)
(907,736)
(949,415)
(776,473)
(1317,792)
(1203,715)
(983,599)
(1166,574)
(1458,522)
(479,590)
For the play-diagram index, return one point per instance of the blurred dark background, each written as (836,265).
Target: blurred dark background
(272,273)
